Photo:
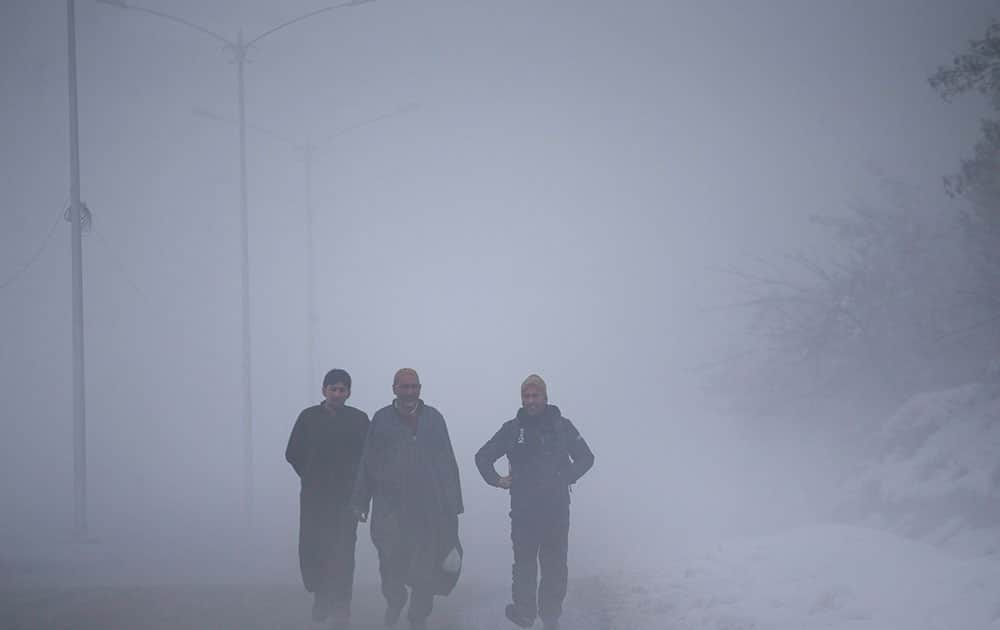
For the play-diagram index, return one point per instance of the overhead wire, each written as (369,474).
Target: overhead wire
(42,246)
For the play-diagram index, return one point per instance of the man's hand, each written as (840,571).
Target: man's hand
(362,517)
(504,482)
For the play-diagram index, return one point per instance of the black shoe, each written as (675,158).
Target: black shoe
(321,610)
(517,617)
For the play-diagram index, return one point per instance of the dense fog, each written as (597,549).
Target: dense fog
(578,190)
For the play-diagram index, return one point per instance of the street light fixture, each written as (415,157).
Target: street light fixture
(239,47)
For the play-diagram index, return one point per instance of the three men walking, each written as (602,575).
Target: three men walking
(401,469)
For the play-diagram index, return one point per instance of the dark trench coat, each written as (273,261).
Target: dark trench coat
(325,450)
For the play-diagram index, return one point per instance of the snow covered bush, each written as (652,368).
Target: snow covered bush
(934,473)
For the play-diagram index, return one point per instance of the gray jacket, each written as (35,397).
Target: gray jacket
(403,472)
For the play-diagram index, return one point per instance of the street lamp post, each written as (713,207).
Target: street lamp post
(240,47)
(309,150)
(309,155)
(76,217)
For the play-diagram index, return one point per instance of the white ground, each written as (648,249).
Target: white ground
(817,578)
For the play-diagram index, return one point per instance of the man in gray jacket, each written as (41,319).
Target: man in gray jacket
(409,475)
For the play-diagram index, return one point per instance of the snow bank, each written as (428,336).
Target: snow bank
(825,577)
(935,475)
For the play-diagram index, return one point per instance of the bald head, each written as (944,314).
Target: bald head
(406,386)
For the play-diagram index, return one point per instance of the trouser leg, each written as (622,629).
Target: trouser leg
(552,556)
(392,567)
(421,603)
(525,569)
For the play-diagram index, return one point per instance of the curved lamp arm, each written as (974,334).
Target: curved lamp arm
(352,3)
(201,29)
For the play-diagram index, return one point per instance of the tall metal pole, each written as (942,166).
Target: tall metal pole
(312,318)
(76,217)
(248,485)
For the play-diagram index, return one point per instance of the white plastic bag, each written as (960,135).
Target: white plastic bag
(452,562)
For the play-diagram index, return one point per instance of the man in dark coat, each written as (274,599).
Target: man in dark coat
(409,475)
(546,455)
(325,450)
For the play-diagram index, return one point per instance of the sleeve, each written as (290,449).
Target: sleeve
(456,479)
(364,425)
(579,452)
(490,453)
(361,497)
(296,451)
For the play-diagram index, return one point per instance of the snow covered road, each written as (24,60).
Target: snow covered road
(826,577)
(258,607)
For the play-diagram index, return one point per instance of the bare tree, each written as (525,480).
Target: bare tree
(877,321)
(978,178)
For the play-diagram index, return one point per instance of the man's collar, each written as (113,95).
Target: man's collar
(416,409)
(330,410)
(523,415)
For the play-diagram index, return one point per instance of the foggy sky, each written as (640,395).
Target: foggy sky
(554,206)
